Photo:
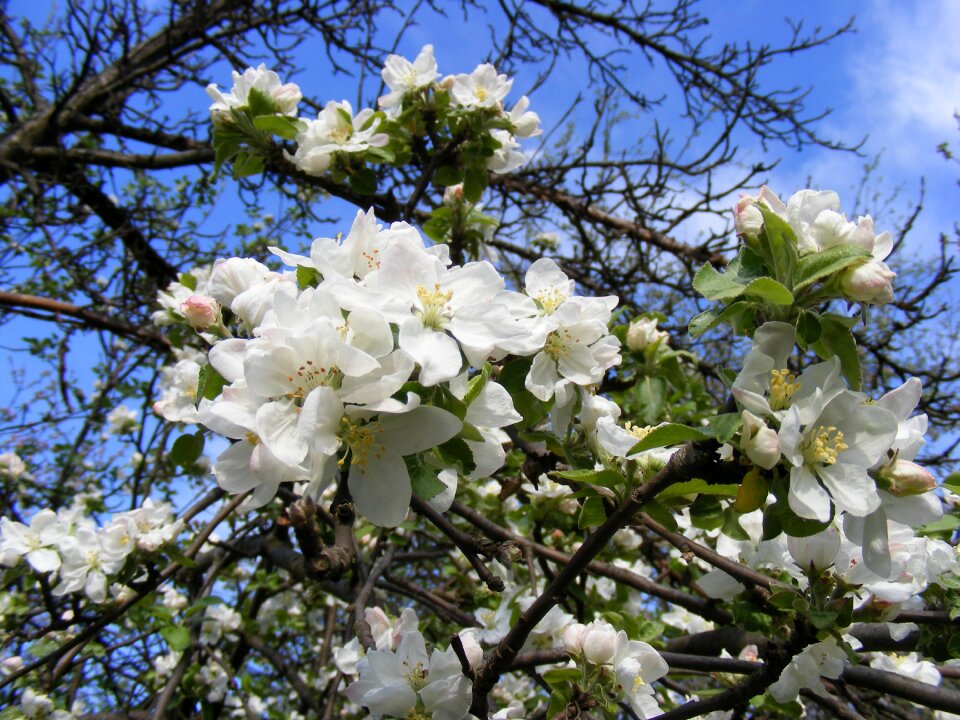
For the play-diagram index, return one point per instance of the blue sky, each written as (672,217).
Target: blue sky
(895,81)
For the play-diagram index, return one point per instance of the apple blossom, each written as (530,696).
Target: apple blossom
(643,332)
(267,82)
(404,77)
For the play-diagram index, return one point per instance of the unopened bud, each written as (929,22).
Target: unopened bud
(903,478)
(643,332)
(571,638)
(200,311)
(599,643)
(870,282)
(747,219)
(471,648)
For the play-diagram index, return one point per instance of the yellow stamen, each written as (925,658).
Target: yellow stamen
(782,387)
(435,312)
(824,445)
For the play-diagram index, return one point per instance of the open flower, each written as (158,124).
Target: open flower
(830,445)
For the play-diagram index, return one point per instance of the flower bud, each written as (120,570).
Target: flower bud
(599,643)
(200,311)
(747,219)
(571,638)
(816,552)
(287,97)
(471,648)
(903,478)
(760,443)
(871,282)
(643,332)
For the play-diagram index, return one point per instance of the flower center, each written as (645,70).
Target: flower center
(782,387)
(251,438)
(480,92)
(435,312)
(558,343)
(310,376)
(416,676)
(362,441)
(639,432)
(823,446)
(550,300)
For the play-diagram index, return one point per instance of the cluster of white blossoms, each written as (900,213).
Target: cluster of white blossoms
(847,455)
(609,657)
(819,225)
(399,676)
(338,130)
(83,555)
(318,376)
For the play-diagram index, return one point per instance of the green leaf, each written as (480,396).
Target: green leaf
(279,125)
(512,376)
(822,619)
(770,290)
(651,395)
(783,519)
(715,285)
(603,478)
(671,434)
(448,175)
(709,319)
(187,449)
(777,245)
(307,277)
(731,525)
(209,383)
(818,265)
(948,523)
(470,432)
(661,514)
(836,339)
(202,604)
(188,281)
(808,328)
(592,513)
(474,183)
(706,512)
(364,182)
(952,482)
(697,487)
(784,599)
(446,400)
(456,452)
(177,637)
(562,676)
(246,164)
(724,426)
(260,103)
(953,645)
(476,384)
(423,479)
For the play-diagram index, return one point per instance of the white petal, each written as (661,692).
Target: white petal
(852,489)
(381,489)
(806,498)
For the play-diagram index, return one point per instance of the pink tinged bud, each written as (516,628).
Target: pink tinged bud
(871,282)
(571,639)
(815,552)
(903,478)
(599,643)
(201,311)
(747,219)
